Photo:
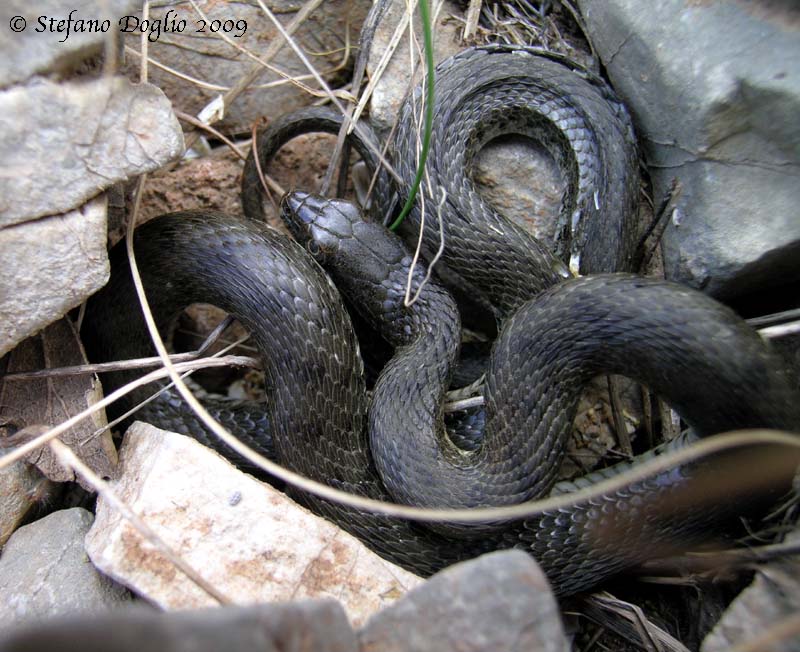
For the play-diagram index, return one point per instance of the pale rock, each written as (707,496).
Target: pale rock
(49,266)
(248,540)
(520,179)
(61,144)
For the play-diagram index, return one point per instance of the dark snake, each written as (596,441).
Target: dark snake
(696,353)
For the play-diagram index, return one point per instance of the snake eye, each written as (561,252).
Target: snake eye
(313,248)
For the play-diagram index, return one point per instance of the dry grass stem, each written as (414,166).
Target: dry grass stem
(702,562)
(644,254)
(144,44)
(377,73)
(629,621)
(208,128)
(471,23)
(267,183)
(268,66)
(275,46)
(217,358)
(334,98)
(125,365)
(408,300)
(781,330)
(464,404)
(218,87)
(19,453)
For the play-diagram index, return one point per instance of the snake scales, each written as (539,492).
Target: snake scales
(696,353)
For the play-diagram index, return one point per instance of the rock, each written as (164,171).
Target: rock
(714,93)
(61,144)
(500,601)
(395,79)
(50,266)
(44,572)
(247,539)
(772,599)
(21,486)
(205,56)
(31,52)
(521,180)
(310,626)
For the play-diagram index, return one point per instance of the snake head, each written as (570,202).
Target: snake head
(318,223)
(368,263)
(337,235)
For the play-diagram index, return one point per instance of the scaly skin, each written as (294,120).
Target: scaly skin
(693,351)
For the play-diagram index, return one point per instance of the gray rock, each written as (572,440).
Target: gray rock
(44,571)
(500,601)
(715,91)
(61,144)
(205,56)
(311,626)
(49,266)
(21,485)
(772,598)
(37,49)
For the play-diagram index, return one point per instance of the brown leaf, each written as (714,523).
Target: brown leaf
(46,402)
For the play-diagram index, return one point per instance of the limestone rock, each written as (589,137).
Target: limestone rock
(500,601)
(37,49)
(204,55)
(49,266)
(61,144)
(714,92)
(247,539)
(44,572)
(310,626)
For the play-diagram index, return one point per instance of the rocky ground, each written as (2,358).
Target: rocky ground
(713,89)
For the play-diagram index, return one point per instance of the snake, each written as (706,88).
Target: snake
(557,333)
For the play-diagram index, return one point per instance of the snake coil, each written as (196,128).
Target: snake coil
(704,359)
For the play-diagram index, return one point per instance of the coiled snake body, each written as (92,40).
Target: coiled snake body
(698,354)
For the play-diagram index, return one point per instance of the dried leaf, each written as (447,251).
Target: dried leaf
(25,403)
